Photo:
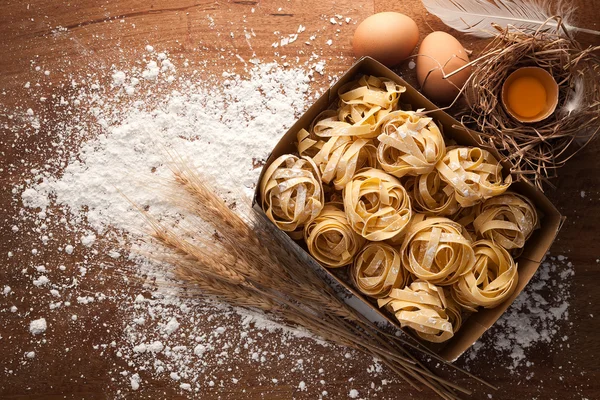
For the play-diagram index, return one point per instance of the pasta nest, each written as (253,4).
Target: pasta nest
(431,195)
(424,307)
(507,220)
(474,173)
(409,144)
(492,280)
(377,270)
(339,157)
(377,205)
(362,106)
(330,238)
(435,250)
(292,193)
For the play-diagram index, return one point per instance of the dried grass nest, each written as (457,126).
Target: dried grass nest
(536,150)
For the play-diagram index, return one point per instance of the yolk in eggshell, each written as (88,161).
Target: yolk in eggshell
(526,96)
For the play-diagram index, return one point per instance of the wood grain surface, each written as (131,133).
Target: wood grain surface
(89,36)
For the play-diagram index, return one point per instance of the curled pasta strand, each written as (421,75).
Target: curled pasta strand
(307,146)
(435,250)
(377,270)
(339,157)
(423,307)
(492,280)
(362,106)
(377,205)
(431,195)
(508,220)
(330,239)
(454,312)
(409,144)
(474,173)
(291,193)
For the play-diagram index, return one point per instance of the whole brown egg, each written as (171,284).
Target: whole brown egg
(439,54)
(388,37)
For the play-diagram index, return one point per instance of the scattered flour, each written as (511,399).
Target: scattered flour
(534,318)
(135,381)
(38,326)
(114,170)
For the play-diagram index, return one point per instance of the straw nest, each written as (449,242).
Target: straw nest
(536,150)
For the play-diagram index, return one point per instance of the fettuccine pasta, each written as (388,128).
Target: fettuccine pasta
(339,157)
(422,307)
(426,227)
(362,106)
(409,144)
(508,220)
(493,278)
(377,270)
(474,173)
(435,250)
(292,194)
(431,195)
(330,239)
(377,205)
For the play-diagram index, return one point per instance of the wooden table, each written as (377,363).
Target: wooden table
(74,37)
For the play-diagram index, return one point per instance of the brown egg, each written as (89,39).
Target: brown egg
(388,37)
(439,52)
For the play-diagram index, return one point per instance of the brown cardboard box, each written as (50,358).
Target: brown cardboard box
(535,248)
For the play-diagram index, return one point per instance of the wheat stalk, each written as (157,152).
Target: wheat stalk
(249,267)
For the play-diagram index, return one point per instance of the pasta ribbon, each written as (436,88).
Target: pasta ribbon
(377,270)
(362,106)
(491,281)
(339,157)
(474,173)
(431,195)
(454,312)
(436,251)
(377,205)
(507,220)
(409,144)
(423,307)
(330,239)
(403,206)
(291,193)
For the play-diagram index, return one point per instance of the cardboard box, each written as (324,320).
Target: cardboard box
(535,249)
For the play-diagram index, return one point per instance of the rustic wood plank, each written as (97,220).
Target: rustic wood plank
(67,38)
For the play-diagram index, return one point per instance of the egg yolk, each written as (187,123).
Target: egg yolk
(526,96)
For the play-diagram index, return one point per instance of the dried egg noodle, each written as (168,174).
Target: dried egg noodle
(454,312)
(377,270)
(474,174)
(508,220)
(339,157)
(436,251)
(292,194)
(377,205)
(330,239)
(431,195)
(402,206)
(362,106)
(493,278)
(409,144)
(422,306)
